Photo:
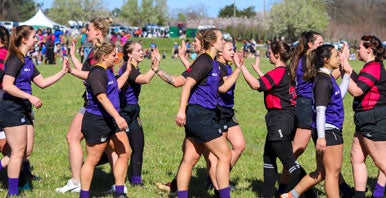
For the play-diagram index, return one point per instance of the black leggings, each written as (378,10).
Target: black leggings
(137,142)
(283,150)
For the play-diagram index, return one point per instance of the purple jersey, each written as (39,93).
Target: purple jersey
(303,87)
(207,76)
(23,73)
(327,93)
(226,99)
(130,89)
(99,81)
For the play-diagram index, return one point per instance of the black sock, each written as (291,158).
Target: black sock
(359,194)
(270,177)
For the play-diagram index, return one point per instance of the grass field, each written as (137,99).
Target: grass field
(159,104)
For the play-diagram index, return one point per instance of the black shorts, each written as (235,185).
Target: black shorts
(280,124)
(98,129)
(131,115)
(15,113)
(227,118)
(371,123)
(333,136)
(202,124)
(304,113)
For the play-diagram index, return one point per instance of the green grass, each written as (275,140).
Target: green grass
(159,104)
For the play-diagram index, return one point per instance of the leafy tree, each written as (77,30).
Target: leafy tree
(291,17)
(84,10)
(230,10)
(248,12)
(116,12)
(150,12)
(17,10)
(181,17)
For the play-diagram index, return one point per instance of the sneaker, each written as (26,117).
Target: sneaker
(163,187)
(25,187)
(70,186)
(286,195)
(112,190)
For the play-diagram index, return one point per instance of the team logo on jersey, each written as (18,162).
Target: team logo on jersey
(103,139)
(110,82)
(22,120)
(280,133)
(214,74)
(26,69)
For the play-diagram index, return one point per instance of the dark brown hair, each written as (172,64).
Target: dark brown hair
(379,51)
(301,48)
(15,42)
(281,48)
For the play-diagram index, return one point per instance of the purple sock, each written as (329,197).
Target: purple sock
(119,189)
(182,194)
(136,180)
(12,186)
(379,191)
(84,194)
(1,165)
(225,192)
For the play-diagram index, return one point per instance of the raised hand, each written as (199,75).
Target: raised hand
(72,48)
(182,49)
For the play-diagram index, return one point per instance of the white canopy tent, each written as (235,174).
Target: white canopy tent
(40,20)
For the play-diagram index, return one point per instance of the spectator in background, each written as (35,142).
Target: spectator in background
(58,35)
(187,52)
(114,37)
(49,43)
(124,37)
(153,45)
(175,50)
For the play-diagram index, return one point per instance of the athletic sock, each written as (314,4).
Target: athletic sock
(294,194)
(270,177)
(282,188)
(344,188)
(225,192)
(119,189)
(84,194)
(13,186)
(182,194)
(1,165)
(379,191)
(359,194)
(136,180)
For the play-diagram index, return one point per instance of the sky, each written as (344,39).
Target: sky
(213,6)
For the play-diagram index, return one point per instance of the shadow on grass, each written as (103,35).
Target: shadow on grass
(101,182)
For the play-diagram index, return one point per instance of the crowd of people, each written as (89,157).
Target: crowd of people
(301,95)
